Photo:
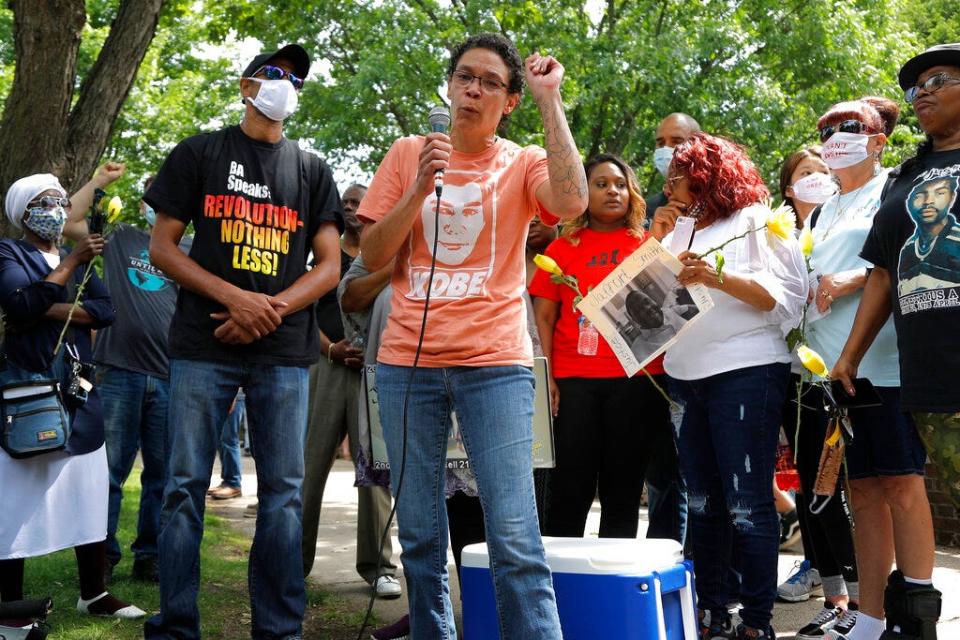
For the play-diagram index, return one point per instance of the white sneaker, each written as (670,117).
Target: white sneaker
(387,587)
(804,583)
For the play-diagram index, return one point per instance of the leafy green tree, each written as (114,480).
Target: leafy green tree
(758,71)
(52,122)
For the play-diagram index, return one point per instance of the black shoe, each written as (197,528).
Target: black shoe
(146,570)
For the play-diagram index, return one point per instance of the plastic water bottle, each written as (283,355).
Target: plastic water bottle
(588,339)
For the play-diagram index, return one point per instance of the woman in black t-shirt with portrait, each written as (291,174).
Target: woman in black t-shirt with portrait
(914,245)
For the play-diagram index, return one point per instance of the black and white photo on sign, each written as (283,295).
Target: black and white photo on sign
(641,307)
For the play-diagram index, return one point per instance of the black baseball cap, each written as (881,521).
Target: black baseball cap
(293,53)
(937,55)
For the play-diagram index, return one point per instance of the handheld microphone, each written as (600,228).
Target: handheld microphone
(439,119)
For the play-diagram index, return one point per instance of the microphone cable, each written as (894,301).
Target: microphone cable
(406,398)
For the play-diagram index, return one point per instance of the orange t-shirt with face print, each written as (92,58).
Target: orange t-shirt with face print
(477,315)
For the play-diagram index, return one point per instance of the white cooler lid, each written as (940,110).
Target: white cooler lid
(596,555)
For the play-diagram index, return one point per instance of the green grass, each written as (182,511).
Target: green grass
(224,601)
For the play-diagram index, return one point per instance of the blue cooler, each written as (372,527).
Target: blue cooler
(617,589)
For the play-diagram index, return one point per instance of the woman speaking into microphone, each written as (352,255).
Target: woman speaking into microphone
(456,339)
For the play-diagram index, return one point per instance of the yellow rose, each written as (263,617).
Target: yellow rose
(547,264)
(113,208)
(812,361)
(782,222)
(806,242)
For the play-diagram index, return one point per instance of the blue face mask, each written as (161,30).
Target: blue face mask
(661,159)
(46,223)
(149,214)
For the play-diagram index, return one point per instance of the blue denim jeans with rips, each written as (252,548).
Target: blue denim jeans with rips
(727,434)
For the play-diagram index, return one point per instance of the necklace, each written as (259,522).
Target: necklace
(841,211)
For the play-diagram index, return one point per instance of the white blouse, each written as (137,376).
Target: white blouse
(733,334)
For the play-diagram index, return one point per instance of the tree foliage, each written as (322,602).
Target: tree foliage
(757,71)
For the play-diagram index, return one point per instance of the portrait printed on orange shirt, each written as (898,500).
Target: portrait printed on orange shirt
(466,234)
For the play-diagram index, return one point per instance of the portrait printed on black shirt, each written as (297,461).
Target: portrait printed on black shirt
(929,266)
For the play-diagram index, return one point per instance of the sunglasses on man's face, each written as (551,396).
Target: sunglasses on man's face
(847,126)
(931,85)
(49,202)
(271,72)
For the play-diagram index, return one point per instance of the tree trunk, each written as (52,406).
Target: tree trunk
(39,132)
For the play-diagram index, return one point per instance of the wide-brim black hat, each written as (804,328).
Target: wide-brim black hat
(948,54)
(293,53)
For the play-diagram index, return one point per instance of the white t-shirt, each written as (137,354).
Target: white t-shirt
(735,335)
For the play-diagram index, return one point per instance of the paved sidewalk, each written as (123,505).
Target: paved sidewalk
(336,555)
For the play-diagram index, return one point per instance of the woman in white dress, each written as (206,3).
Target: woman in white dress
(55,500)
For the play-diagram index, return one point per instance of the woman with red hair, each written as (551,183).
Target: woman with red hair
(729,375)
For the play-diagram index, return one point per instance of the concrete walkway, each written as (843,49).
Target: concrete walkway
(334,569)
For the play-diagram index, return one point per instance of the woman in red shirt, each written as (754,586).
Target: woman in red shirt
(606,422)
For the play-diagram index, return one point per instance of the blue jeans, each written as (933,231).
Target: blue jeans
(727,437)
(201,393)
(230,471)
(666,495)
(494,407)
(134,418)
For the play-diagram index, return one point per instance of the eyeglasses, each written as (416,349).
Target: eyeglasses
(277,73)
(49,202)
(931,85)
(847,126)
(490,85)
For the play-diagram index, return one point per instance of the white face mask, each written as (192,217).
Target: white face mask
(814,188)
(661,159)
(277,99)
(845,149)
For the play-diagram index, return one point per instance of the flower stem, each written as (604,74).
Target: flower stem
(73,307)
(653,381)
(725,243)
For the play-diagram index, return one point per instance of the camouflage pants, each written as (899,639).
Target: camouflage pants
(940,433)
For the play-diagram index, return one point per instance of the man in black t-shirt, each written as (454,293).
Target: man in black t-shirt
(914,245)
(244,318)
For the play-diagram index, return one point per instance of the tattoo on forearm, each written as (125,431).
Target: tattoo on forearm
(563,160)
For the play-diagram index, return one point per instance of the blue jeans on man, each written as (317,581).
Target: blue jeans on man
(276,402)
(494,407)
(728,432)
(134,418)
(231,473)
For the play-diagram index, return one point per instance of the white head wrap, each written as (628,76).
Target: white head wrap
(26,189)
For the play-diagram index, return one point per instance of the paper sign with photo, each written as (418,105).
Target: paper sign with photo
(641,308)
